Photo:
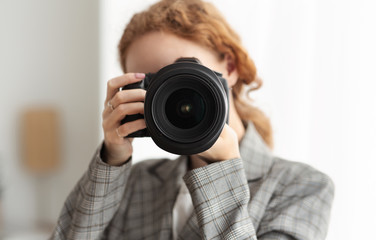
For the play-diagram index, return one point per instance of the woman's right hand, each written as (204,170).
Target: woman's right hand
(118,149)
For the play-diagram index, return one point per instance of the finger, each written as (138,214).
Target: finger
(108,109)
(130,127)
(128,109)
(114,84)
(114,118)
(132,95)
(123,97)
(106,112)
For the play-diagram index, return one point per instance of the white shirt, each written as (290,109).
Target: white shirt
(183,208)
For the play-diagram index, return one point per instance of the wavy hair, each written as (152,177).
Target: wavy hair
(201,22)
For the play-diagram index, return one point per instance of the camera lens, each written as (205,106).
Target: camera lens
(185,108)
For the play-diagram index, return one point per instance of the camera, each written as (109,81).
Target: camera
(186,107)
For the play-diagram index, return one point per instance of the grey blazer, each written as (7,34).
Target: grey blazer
(256,197)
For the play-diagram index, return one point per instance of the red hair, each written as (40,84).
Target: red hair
(201,22)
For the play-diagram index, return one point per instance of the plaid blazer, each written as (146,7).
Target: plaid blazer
(256,197)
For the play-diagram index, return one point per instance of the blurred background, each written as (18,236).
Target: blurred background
(316,59)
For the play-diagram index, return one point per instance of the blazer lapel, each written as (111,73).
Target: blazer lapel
(190,230)
(256,155)
(170,174)
(166,202)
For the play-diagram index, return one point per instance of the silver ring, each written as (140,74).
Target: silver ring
(117,132)
(110,105)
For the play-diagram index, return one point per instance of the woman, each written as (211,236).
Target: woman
(235,190)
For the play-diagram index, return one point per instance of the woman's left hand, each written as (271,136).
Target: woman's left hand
(226,147)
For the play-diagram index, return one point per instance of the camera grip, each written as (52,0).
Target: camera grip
(139,133)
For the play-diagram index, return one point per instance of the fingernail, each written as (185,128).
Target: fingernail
(139,75)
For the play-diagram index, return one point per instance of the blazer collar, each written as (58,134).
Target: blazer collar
(171,170)
(256,155)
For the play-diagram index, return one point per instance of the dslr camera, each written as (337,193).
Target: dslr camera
(186,107)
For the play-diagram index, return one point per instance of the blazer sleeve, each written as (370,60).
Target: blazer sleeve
(298,209)
(220,196)
(93,202)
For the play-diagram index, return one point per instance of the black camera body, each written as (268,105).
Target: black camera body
(186,107)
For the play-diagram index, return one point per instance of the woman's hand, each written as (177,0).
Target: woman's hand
(226,147)
(117,149)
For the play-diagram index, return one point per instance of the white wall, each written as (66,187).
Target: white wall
(48,57)
(316,59)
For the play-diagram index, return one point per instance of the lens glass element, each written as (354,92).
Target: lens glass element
(185,108)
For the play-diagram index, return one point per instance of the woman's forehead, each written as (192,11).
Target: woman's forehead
(155,50)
